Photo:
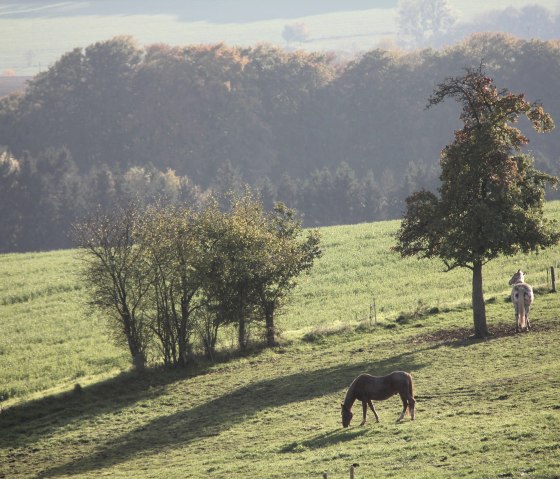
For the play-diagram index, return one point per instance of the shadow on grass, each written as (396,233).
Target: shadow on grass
(53,412)
(220,414)
(324,440)
(464,337)
(25,423)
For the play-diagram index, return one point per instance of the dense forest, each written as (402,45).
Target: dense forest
(342,141)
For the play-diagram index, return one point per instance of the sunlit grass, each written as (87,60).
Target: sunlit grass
(359,268)
(48,339)
(276,413)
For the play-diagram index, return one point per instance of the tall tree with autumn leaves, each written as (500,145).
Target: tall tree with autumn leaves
(491,197)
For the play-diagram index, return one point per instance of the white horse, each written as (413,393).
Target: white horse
(522,298)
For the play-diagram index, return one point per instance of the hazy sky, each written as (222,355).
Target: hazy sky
(34,34)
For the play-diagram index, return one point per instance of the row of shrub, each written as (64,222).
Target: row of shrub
(167,275)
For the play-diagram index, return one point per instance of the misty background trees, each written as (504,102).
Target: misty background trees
(342,141)
(435,24)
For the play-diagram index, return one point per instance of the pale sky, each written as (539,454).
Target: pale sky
(33,41)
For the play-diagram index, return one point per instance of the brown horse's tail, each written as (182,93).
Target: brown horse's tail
(411,400)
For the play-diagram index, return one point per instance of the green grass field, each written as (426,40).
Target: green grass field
(485,409)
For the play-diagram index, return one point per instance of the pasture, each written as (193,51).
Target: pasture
(484,408)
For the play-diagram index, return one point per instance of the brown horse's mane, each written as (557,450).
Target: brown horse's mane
(350,398)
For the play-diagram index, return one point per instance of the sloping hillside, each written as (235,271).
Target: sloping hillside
(485,408)
(276,414)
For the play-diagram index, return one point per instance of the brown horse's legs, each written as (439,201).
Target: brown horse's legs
(406,400)
(411,404)
(364,410)
(372,407)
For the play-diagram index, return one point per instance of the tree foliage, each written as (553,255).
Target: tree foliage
(169,239)
(491,197)
(117,276)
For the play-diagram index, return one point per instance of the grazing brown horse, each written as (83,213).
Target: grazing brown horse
(522,298)
(366,388)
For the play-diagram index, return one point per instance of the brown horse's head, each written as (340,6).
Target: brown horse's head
(346,416)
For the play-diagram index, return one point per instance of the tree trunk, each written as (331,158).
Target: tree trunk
(242,334)
(478,306)
(183,356)
(138,357)
(241,339)
(183,337)
(270,330)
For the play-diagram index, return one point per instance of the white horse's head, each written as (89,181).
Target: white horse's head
(518,277)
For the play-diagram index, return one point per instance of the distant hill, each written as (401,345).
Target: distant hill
(12,84)
(216,11)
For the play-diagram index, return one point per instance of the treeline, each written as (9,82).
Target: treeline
(168,278)
(341,141)
(44,196)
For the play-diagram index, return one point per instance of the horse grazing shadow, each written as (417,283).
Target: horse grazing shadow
(212,418)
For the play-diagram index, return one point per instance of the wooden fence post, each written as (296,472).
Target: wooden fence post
(553,278)
(373,312)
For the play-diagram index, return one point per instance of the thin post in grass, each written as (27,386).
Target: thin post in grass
(373,312)
(553,278)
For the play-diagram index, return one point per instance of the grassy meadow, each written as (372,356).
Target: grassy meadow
(485,409)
